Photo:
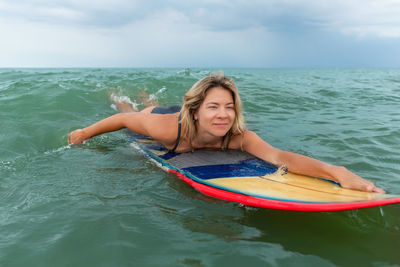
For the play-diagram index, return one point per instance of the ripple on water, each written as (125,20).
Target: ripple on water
(103,204)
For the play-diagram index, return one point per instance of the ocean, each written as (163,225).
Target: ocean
(103,204)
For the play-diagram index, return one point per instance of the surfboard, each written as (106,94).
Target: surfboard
(237,176)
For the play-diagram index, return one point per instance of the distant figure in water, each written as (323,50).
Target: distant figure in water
(211,117)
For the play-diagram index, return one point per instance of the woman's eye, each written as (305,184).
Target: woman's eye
(212,107)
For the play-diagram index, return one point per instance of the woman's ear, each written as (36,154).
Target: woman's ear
(195,116)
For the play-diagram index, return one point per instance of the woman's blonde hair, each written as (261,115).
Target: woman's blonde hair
(196,95)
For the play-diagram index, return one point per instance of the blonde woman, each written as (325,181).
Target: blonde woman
(211,117)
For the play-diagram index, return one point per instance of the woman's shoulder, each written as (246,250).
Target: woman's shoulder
(162,127)
(157,126)
(238,140)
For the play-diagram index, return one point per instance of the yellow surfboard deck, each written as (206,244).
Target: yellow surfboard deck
(294,187)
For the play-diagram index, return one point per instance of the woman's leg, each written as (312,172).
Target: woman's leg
(124,104)
(146,99)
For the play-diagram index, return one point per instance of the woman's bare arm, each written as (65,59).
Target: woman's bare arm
(160,127)
(133,121)
(305,165)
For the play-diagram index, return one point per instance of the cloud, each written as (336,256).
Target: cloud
(360,17)
(196,33)
(164,38)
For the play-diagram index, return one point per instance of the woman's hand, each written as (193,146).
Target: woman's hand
(76,137)
(350,180)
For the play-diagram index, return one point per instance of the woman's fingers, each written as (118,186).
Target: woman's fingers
(75,137)
(370,187)
(378,190)
(352,181)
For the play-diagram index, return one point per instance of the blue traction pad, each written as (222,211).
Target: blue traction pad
(250,167)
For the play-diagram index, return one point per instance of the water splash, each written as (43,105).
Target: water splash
(60,149)
(117,98)
(160,91)
(7,165)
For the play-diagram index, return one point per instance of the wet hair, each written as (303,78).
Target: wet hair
(195,97)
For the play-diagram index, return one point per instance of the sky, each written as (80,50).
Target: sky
(194,33)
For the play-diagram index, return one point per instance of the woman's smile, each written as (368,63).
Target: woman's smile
(221,125)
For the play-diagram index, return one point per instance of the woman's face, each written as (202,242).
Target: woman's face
(216,114)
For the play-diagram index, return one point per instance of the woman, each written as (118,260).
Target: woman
(211,117)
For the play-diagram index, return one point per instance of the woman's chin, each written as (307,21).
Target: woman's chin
(220,133)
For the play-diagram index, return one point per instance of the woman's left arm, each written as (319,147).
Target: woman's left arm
(300,164)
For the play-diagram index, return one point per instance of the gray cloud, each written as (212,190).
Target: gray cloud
(350,16)
(198,33)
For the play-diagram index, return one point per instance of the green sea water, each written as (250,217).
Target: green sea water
(104,204)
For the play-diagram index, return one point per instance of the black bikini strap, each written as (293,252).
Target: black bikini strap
(179,134)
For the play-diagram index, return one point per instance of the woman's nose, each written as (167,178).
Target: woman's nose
(222,112)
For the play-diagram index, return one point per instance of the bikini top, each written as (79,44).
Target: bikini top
(170,110)
(179,135)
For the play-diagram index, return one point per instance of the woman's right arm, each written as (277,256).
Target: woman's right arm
(133,121)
